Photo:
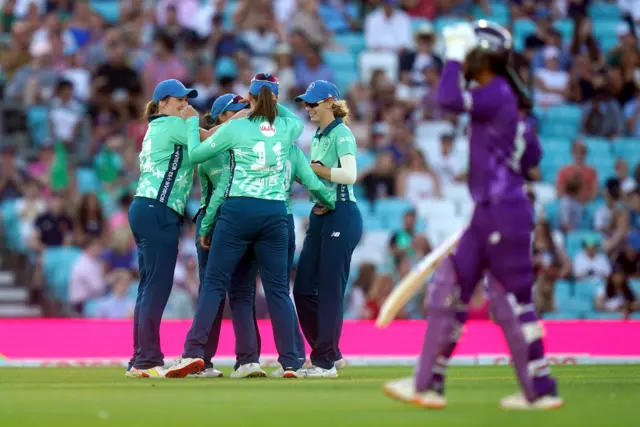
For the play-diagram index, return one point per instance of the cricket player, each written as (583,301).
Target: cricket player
(156,216)
(325,260)
(253,213)
(498,239)
(242,296)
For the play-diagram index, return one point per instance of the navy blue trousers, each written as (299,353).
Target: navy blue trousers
(242,302)
(244,222)
(291,255)
(321,279)
(156,230)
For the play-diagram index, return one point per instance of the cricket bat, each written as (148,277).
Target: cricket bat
(413,282)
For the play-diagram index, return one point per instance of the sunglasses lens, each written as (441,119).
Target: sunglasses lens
(312,105)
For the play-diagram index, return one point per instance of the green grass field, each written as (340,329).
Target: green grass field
(603,396)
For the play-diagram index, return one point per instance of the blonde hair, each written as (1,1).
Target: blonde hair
(340,109)
(151,109)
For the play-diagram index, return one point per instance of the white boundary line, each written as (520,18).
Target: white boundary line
(361,361)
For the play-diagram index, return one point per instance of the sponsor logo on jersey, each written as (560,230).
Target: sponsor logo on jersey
(267,129)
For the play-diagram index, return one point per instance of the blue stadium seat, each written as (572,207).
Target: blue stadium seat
(192,208)
(353,41)
(57,265)
(344,79)
(91,308)
(594,315)
(635,286)
(549,167)
(417,23)
(565,26)
(372,223)
(608,42)
(88,181)
(11,226)
(604,12)
(605,28)
(589,213)
(598,147)
(38,123)
(340,60)
(109,9)
(562,315)
(391,212)
(522,28)
(628,149)
(571,112)
(586,290)
(575,238)
(365,160)
(551,211)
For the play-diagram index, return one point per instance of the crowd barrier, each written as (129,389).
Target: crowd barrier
(42,342)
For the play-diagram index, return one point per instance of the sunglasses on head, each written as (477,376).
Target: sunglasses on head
(235,100)
(264,77)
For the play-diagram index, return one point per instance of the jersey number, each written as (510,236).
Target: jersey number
(267,159)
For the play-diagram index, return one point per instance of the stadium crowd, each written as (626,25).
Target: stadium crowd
(75,75)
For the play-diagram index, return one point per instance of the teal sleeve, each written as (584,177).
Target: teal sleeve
(308,178)
(345,142)
(179,130)
(220,141)
(211,214)
(284,112)
(296,126)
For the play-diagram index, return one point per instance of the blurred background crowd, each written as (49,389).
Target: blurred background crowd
(74,76)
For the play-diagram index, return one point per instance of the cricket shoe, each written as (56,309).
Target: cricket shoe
(131,373)
(286,373)
(207,373)
(184,367)
(404,390)
(249,370)
(340,364)
(157,372)
(517,402)
(318,372)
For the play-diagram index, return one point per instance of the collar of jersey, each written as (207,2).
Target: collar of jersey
(329,128)
(157,116)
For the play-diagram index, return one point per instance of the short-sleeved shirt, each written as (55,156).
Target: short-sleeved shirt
(335,141)
(166,172)
(257,151)
(53,228)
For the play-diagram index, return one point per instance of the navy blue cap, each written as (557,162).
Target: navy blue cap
(264,80)
(319,91)
(173,88)
(227,102)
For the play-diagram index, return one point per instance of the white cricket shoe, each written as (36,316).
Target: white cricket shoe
(404,390)
(184,367)
(131,373)
(318,372)
(517,402)
(249,370)
(288,373)
(157,372)
(340,364)
(207,373)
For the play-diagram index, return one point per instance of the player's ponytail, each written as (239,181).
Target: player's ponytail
(151,109)
(341,110)
(266,106)
(208,121)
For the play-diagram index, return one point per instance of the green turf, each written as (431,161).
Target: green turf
(603,396)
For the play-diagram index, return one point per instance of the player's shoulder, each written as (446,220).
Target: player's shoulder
(342,134)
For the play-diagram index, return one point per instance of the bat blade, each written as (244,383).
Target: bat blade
(413,282)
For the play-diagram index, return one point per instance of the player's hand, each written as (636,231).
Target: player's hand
(459,39)
(205,242)
(204,134)
(188,112)
(318,209)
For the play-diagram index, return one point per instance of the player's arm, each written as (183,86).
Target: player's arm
(532,155)
(217,143)
(306,176)
(346,149)
(211,214)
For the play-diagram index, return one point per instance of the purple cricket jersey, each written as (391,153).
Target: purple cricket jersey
(496,146)
(533,151)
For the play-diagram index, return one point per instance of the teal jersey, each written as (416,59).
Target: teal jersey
(166,172)
(297,166)
(257,150)
(335,141)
